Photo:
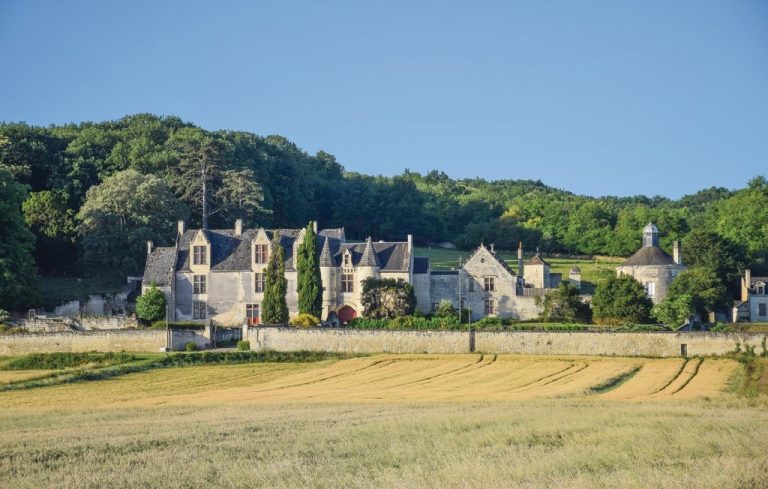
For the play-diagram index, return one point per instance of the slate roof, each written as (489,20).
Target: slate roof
(755,280)
(575,269)
(369,257)
(233,253)
(649,256)
(159,268)
(392,256)
(501,262)
(420,264)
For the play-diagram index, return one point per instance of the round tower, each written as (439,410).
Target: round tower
(368,266)
(328,278)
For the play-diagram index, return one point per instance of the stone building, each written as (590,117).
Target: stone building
(219,274)
(652,266)
(753,306)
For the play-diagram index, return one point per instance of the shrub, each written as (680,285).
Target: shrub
(243,345)
(4,316)
(178,325)
(621,300)
(58,361)
(190,346)
(304,321)
(150,306)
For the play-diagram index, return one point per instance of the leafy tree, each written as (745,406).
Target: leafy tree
(445,309)
(564,305)
(704,287)
(387,298)
(275,307)
(18,276)
(621,300)
(674,310)
(309,285)
(150,306)
(704,248)
(47,215)
(124,212)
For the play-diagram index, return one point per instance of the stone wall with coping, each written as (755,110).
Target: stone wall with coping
(517,342)
(84,341)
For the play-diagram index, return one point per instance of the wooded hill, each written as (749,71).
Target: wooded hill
(99,191)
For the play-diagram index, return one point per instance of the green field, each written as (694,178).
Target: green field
(591,270)
(427,421)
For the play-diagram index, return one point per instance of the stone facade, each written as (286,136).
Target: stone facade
(652,266)
(85,341)
(753,305)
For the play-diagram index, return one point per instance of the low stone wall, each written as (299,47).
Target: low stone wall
(180,338)
(357,341)
(86,323)
(84,341)
(517,342)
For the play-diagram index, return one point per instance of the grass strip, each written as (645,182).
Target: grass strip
(614,382)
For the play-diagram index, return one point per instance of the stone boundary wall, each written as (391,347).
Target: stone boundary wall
(86,323)
(513,342)
(84,341)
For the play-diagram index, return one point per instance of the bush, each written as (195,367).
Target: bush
(179,325)
(305,321)
(190,346)
(244,345)
(150,306)
(58,361)
(4,316)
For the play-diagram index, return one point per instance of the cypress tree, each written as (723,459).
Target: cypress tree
(308,267)
(275,307)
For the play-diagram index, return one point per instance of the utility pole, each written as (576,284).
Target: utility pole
(460,287)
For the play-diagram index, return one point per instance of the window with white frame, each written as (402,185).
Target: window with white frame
(650,289)
(260,283)
(199,284)
(490,307)
(490,284)
(347,282)
(199,255)
(260,253)
(199,310)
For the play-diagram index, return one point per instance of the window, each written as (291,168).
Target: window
(347,260)
(261,253)
(260,283)
(760,290)
(199,284)
(471,285)
(650,289)
(346,282)
(761,309)
(490,285)
(198,310)
(490,307)
(199,255)
(253,313)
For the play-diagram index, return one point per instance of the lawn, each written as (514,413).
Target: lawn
(394,421)
(591,270)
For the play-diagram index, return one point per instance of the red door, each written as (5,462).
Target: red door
(252,312)
(346,314)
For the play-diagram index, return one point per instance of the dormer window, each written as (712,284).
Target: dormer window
(347,260)
(261,253)
(199,255)
(760,290)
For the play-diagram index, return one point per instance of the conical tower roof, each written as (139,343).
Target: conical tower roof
(369,258)
(326,260)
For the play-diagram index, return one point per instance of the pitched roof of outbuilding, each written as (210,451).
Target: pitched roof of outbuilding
(536,260)
(649,256)
(159,268)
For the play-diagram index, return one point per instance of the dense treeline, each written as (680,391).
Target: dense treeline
(97,191)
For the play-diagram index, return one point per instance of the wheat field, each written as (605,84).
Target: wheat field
(393,421)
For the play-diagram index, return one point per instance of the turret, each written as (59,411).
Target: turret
(368,266)
(650,235)
(327,278)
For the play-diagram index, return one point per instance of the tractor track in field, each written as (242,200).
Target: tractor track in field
(378,363)
(677,374)
(693,374)
(443,374)
(519,387)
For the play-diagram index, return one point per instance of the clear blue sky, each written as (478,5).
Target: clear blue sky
(603,97)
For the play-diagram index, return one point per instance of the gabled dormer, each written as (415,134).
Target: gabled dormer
(261,248)
(200,253)
(347,264)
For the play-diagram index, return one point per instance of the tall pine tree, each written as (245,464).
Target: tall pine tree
(308,267)
(275,307)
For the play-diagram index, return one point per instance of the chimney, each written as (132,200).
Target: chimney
(410,242)
(314,226)
(746,283)
(677,253)
(180,225)
(150,245)
(238,227)
(520,258)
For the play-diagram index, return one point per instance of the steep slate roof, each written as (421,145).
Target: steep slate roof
(326,260)
(392,256)
(368,258)
(159,268)
(420,264)
(649,255)
(500,260)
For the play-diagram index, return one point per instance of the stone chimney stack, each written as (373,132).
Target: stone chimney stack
(150,246)
(677,253)
(746,283)
(520,258)
(180,226)
(314,226)
(238,227)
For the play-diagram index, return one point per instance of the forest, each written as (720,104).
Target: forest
(94,193)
